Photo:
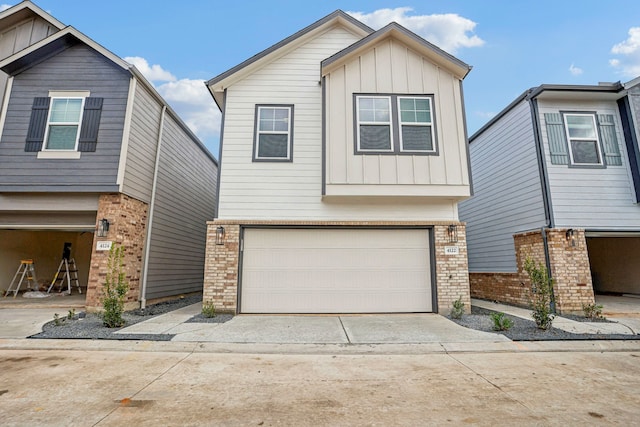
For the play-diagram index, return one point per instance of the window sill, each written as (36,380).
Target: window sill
(59,154)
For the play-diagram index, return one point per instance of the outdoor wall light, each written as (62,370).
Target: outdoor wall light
(571,237)
(452,232)
(103,227)
(220,235)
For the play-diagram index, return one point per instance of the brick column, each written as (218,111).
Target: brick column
(452,271)
(570,269)
(221,268)
(128,219)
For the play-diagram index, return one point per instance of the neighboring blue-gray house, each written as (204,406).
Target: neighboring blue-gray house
(556,177)
(84,137)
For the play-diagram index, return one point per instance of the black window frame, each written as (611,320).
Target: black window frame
(256,131)
(395,124)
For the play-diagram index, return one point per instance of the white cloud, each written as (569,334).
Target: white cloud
(576,71)
(629,64)
(485,114)
(188,97)
(448,31)
(154,73)
(4,7)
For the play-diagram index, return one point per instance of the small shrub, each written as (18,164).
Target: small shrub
(501,322)
(57,320)
(114,290)
(457,309)
(593,311)
(71,314)
(541,293)
(208,310)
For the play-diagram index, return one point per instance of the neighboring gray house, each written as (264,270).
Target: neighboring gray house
(556,177)
(86,138)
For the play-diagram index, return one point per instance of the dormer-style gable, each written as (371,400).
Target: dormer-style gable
(23,12)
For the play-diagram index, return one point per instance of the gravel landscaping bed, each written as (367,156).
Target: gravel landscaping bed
(89,325)
(219,318)
(526,330)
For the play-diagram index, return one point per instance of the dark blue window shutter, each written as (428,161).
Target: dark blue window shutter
(37,124)
(557,139)
(90,124)
(609,140)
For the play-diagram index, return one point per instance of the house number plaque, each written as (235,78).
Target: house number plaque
(451,250)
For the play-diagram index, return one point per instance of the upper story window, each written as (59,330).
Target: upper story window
(582,139)
(273,138)
(394,124)
(65,116)
(582,135)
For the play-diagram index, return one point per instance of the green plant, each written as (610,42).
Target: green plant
(208,310)
(592,311)
(541,293)
(71,314)
(501,322)
(114,290)
(57,320)
(457,309)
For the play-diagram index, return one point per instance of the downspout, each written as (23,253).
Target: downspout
(143,292)
(546,196)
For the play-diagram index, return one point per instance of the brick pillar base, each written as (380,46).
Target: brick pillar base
(452,270)
(221,268)
(128,219)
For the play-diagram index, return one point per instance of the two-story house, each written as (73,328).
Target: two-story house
(343,158)
(91,155)
(556,178)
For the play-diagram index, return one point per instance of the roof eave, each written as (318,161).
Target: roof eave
(12,11)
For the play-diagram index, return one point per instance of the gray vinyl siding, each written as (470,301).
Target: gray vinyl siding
(507,191)
(184,201)
(591,198)
(19,37)
(143,141)
(77,68)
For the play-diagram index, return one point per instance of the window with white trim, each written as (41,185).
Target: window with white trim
(394,124)
(63,123)
(582,136)
(273,138)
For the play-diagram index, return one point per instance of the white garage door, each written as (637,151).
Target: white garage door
(335,271)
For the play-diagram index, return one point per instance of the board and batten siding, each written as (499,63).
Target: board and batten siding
(76,68)
(390,67)
(18,37)
(184,202)
(590,198)
(507,191)
(293,190)
(142,145)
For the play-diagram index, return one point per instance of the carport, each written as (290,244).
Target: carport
(614,262)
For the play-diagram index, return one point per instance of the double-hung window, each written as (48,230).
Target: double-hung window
(63,124)
(394,124)
(273,137)
(582,135)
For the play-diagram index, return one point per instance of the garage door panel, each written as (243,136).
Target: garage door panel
(335,271)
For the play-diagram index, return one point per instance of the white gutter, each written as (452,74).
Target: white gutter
(145,265)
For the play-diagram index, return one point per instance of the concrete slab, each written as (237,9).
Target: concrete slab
(22,323)
(271,329)
(164,323)
(418,328)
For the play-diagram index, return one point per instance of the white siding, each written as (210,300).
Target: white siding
(389,67)
(593,198)
(507,191)
(262,190)
(142,145)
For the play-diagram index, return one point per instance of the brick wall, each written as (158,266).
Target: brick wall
(221,263)
(128,218)
(569,268)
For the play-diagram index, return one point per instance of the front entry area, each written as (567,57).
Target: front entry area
(336,270)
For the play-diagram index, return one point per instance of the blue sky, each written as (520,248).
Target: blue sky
(512,45)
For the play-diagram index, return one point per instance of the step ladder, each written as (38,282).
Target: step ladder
(66,270)
(25,271)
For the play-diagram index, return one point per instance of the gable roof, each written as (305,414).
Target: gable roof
(23,11)
(397,31)
(69,37)
(221,81)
